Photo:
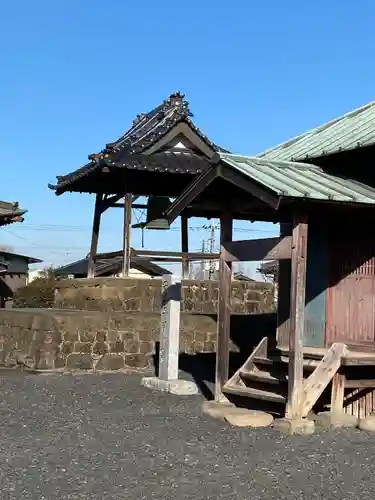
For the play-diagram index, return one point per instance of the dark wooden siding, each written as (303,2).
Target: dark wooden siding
(351,296)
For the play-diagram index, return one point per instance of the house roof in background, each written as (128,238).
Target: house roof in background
(111,262)
(9,255)
(350,131)
(299,180)
(147,130)
(10,212)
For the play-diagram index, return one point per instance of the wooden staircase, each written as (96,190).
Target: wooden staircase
(263,379)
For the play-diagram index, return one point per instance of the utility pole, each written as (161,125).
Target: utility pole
(211,247)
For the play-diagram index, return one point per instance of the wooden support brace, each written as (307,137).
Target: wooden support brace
(314,386)
(223,320)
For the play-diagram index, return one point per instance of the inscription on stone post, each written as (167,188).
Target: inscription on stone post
(170,327)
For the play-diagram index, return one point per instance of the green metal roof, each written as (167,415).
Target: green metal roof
(300,180)
(353,130)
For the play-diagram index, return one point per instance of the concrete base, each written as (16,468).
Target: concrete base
(177,387)
(329,420)
(367,424)
(217,410)
(300,427)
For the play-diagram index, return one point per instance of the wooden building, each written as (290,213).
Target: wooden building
(111,264)
(320,187)
(157,157)
(10,212)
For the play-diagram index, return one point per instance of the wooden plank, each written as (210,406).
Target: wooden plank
(185,245)
(297,309)
(259,249)
(94,236)
(127,234)
(337,394)
(251,392)
(314,386)
(223,320)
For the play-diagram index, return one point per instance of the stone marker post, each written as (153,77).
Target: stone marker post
(169,327)
(168,380)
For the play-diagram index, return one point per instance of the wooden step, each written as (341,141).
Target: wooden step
(307,363)
(250,392)
(264,377)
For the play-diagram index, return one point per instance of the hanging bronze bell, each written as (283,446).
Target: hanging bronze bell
(156,206)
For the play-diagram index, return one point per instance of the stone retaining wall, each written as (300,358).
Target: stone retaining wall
(141,295)
(47,339)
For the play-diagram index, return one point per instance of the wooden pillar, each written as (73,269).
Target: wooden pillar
(95,236)
(223,319)
(297,309)
(185,245)
(128,199)
(338,390)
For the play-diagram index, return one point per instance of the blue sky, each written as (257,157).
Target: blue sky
(74,74)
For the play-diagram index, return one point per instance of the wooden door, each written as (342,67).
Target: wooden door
(350,301)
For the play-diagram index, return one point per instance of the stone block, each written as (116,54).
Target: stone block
(177,387)
(66,348)
(241,417)
(146,347)
(131,346)
(110,362)
(116,347)
(328,420)
(79,362)
(100,348)
(137,360)
(217,410)
(83,347)
(294,426)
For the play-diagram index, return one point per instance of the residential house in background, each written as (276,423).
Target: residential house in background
(14,272)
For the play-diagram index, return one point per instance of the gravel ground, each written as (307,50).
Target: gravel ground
(103,436)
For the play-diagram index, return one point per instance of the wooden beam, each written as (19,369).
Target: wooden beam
(259,249)
(338,390)
(94,236)
(189,255)
(127,234)
(196,187)
(223,319)
(314,386)
(185,245)
(297,313)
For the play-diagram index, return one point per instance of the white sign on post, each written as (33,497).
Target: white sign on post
(170,327)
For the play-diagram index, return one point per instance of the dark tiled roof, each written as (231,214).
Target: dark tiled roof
(10,212)
(173,162)
(147,129)
(111,263)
